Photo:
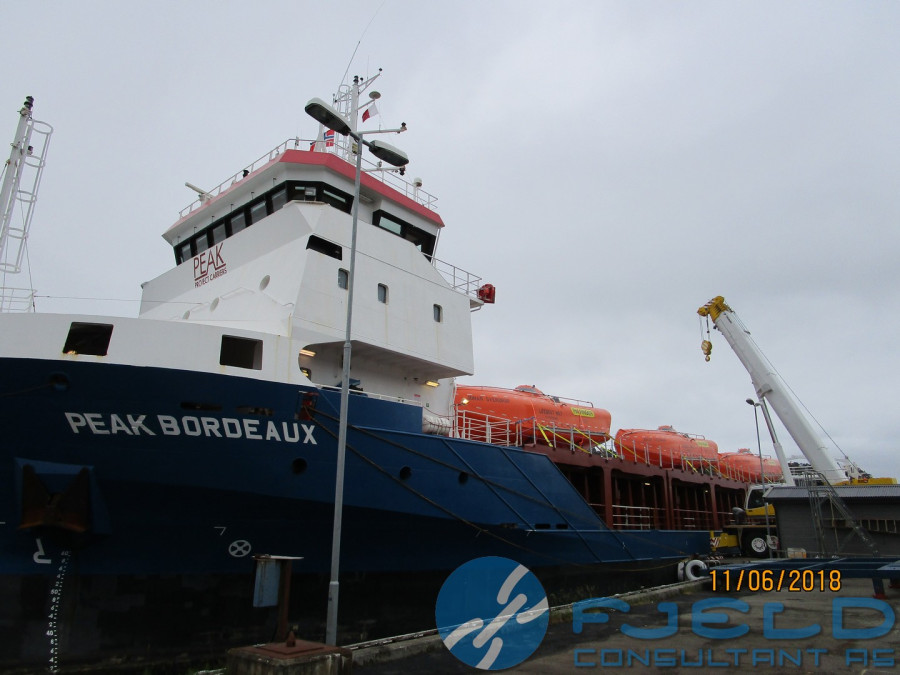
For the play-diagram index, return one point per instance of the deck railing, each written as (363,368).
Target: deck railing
(341,149)
(459,279)
(487,428)
(635,517)
(692,519)
(481,427)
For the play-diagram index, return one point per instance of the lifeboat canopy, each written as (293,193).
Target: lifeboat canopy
(530,415)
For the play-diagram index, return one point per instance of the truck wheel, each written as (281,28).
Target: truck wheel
(754,545)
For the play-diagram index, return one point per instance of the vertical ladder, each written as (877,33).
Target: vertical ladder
(21,180)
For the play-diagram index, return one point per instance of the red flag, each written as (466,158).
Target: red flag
(371,111)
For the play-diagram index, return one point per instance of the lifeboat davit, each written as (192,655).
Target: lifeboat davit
(744,465)
(665,447)
(537,417)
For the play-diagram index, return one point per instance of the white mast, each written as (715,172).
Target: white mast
(26,161)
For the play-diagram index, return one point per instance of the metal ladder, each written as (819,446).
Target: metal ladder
(19,187)
(820,491)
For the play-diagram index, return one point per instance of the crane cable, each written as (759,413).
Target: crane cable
(705,342)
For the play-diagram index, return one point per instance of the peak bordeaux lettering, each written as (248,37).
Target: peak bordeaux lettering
(208,265)
(100,424)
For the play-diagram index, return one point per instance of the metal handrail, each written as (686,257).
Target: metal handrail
(458,278)
(370,394)
(339,149)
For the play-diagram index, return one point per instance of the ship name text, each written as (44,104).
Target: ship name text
(100,424)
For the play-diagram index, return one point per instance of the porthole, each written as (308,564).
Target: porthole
(213,305)
(463,478)
(298,466)
(59,381)
(264,282)
(405,473)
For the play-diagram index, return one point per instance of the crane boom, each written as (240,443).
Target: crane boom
(771,387)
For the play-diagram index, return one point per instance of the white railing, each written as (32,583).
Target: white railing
(342,149)
(488,429)
(16,299)
(370,394)
(634,517)
(460,280)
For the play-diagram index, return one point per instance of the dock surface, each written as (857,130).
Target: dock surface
(846,644)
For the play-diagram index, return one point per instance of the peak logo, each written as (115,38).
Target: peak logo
(492,613)
(209,265)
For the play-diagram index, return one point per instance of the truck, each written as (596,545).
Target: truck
(753,531)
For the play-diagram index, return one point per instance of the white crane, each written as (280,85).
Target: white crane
(771,388)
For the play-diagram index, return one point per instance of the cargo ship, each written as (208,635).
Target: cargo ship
(147,461)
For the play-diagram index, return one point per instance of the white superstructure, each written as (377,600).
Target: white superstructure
(259,286)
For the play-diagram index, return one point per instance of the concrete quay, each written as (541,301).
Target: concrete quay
(814,631)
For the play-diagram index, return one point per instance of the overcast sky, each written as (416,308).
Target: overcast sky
(608,166)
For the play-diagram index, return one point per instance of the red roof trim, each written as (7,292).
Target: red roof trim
(338,165)
(335,164)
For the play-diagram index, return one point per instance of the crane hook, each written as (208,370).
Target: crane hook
(706,348)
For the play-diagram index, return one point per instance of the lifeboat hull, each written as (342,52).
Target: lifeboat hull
(665,447)
(533,416)
(744,465)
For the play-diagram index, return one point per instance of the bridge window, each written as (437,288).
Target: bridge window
(337,199)
(382,293)
(343,279)
(238,222)
(420,239)
(246,215)
(218,234)
(183,251)
(258,210)
(438,313)
(319,192)
(279,198)
(201,242)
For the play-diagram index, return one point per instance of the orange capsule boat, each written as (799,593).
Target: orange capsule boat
(744,465)
(531,415)
(665,446)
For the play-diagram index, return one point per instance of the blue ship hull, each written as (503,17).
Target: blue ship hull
(186,475)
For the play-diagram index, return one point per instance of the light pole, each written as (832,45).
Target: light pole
(331,118)
(762,470)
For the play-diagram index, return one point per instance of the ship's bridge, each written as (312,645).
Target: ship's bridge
(288,174)
(269,251)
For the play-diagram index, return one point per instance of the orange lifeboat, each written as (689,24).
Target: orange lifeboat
(535,416)
(665,447)
(744,465)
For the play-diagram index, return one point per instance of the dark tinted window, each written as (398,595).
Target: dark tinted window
(88,338)
(241,352)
